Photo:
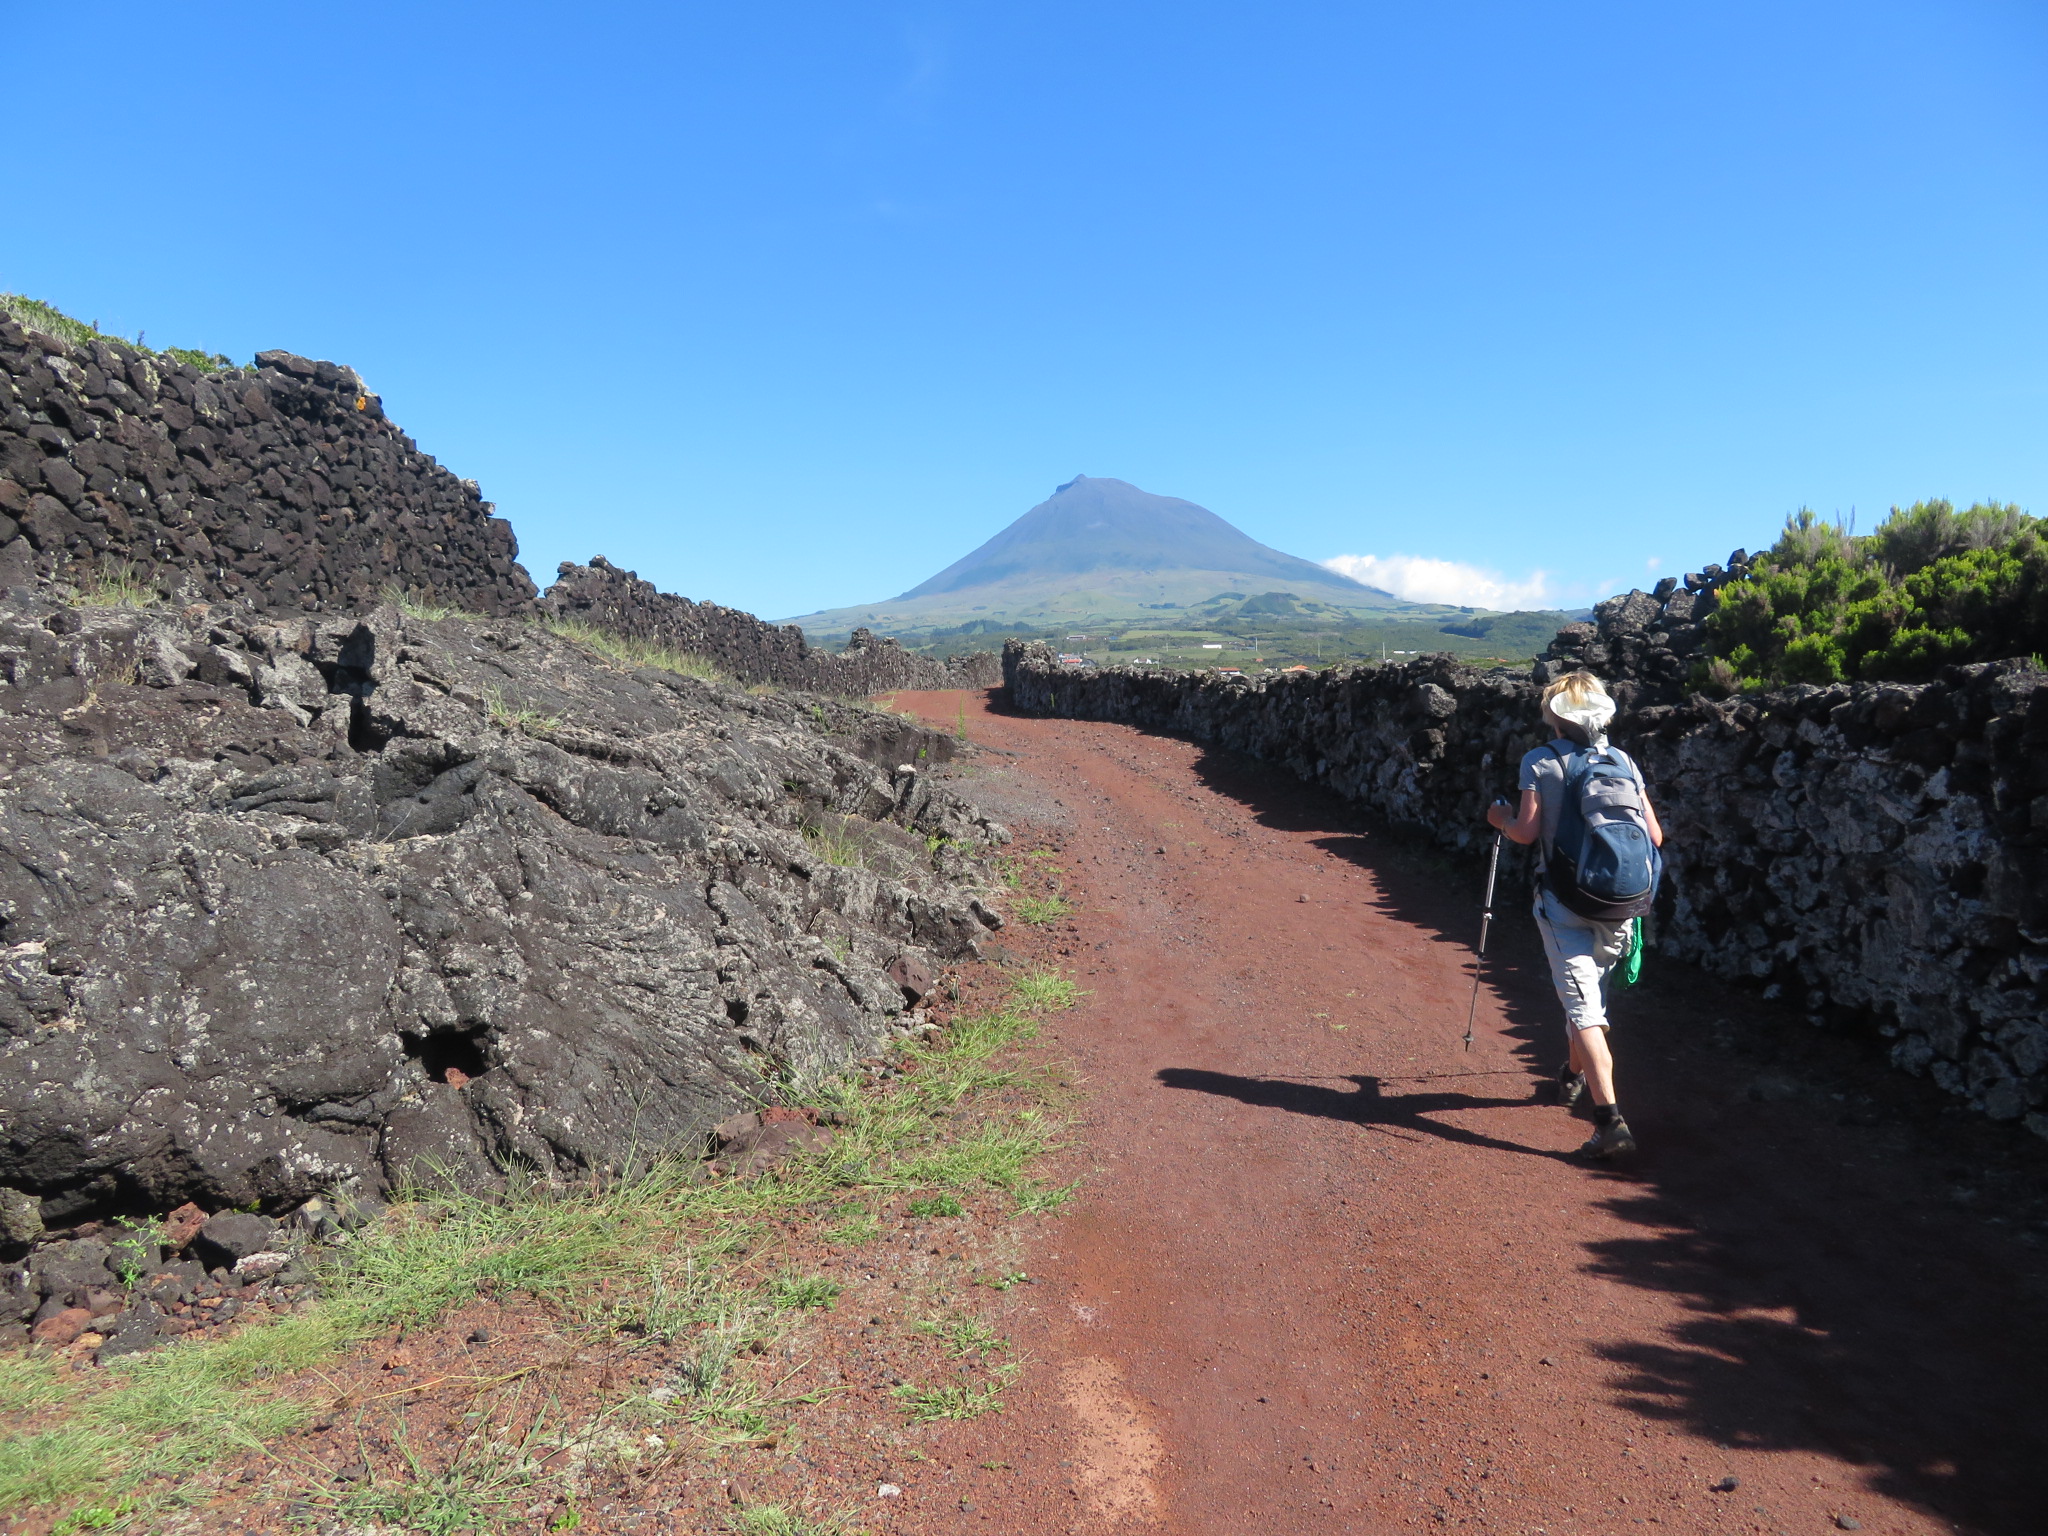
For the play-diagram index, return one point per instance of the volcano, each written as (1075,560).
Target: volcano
(1099,548)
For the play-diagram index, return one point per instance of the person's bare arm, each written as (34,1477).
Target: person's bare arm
(1524,825)
(1650,817)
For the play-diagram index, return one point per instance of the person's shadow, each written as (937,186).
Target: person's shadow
(1367,1104)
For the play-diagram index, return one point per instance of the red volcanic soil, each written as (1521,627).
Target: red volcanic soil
(1330,1272)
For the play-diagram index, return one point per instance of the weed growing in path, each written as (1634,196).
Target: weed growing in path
(1043,909)
(1043,1200)
(938,1205)
(955,1400)
(779,1520)
(796,1293)
(962,1336)
(1046,992)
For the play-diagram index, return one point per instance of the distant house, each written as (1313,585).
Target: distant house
(1230,672)
(1067,659)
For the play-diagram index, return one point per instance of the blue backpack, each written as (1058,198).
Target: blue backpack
(1602,864)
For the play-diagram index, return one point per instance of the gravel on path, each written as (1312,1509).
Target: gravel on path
(1330,1272)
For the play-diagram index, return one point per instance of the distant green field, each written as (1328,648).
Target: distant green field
(1247,632)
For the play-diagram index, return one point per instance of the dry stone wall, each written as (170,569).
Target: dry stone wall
(283,486)
(1876,854)
(603,595)
(1646,644)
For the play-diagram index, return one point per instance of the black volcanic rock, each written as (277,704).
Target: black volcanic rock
(316,904)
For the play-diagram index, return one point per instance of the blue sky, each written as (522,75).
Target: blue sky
(789,305)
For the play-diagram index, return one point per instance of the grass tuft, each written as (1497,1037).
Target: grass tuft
(512,718)
(625,651)
(834,846)
(955,1400)
(35,315)
(961,1336)
(1043,909)
(116,585)
(938,1205)
(799,1293)
(780,1520)
(1045,992)
(415,605)
(1043,1200)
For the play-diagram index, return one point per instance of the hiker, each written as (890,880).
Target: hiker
(1595,795)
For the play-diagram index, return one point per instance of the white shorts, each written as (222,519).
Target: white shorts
(1582,951)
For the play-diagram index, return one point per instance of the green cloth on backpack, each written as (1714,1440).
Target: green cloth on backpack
(1632,962)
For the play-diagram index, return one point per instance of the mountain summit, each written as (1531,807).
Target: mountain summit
(1090,526)
(1098,548)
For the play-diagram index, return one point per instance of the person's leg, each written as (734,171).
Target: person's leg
(1589,1045)
(1608,944)
(1557,951)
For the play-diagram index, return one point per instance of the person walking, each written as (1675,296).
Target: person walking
(1582,949)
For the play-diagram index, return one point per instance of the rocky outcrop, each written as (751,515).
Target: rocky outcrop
(1877,854)
(601,594)
(1649,646)
(295,905)
(282,486)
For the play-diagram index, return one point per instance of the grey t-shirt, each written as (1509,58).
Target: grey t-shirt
(1543,771)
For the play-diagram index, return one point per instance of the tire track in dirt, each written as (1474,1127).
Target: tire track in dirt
(1329,1272)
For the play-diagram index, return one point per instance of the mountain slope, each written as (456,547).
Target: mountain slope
(1100,548)
(1102,525)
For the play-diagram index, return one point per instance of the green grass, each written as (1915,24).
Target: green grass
(955,1400)
(116,585)
(625,651)
(961,1336)
(475,1489)
(512,718)
(1038,910)
(798,1293)
(938,1205)
(858,1225)
(1045,992)
(662,1255)
(51,321)
(834,845)
(416,605)
(1042,1200)
(780,1520)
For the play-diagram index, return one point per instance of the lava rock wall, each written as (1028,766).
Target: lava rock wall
(602,595)
(1646,645)
(282,486)
(1874,853)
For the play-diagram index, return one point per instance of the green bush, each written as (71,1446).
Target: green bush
(1932,586)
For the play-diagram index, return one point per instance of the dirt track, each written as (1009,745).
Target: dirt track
(1330,1273)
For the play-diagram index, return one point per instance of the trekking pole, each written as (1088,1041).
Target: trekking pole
(1485,922)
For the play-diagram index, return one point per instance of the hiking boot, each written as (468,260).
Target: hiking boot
(1571,1087)
(1612,1140)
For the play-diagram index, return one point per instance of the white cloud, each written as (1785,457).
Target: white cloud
(1421,579)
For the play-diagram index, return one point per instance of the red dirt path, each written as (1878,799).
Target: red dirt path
(1329,1272)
